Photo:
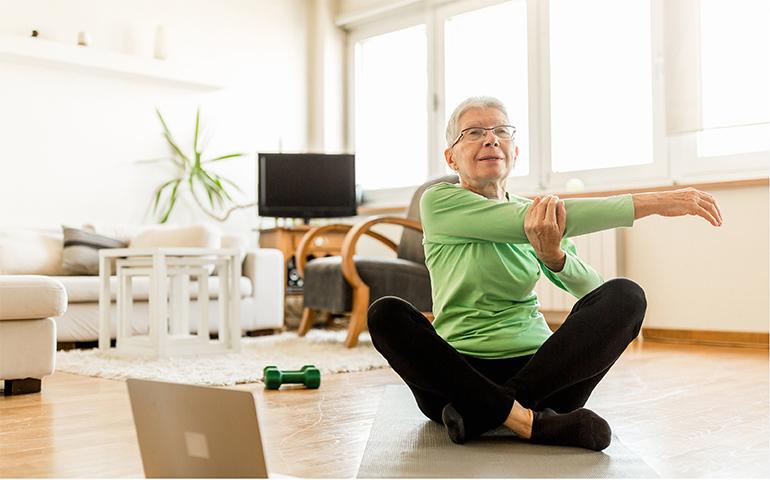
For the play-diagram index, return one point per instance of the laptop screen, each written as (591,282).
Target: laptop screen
(193,431)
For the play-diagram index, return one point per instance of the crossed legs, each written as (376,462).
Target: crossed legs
(557,379)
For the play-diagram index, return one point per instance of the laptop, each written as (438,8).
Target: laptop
(194,431)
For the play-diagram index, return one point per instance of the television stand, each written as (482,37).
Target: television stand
(287,239)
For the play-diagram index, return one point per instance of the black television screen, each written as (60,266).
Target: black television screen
(306,185)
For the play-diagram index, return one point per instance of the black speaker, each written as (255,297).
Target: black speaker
(294,282)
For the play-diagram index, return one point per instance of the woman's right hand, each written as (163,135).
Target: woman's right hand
(676,203)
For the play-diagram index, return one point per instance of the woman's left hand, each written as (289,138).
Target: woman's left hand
(544,224)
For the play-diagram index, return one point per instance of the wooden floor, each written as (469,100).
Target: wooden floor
(688,411)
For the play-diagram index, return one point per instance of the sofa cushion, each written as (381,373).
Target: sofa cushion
(81,289)
(30,251)
(193,236)
(119,231)
(27,297)
(80,255)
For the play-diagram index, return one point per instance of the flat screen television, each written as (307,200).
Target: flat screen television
(306,185)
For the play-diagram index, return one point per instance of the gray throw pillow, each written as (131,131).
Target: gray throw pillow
(80,255)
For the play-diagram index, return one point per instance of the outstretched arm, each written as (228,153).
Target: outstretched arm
(676,203)
(452,214)
(545,222)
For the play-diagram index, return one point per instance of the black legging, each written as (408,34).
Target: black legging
(561,375)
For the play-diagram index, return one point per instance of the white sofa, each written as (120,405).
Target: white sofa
(38,251)
(27,331)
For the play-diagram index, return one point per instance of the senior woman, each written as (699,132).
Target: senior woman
(489,359)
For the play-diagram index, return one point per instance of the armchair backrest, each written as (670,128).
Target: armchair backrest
(410,246)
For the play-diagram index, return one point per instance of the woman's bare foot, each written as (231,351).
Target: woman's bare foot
(520,420)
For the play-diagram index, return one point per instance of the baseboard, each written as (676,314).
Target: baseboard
(691,337)
(707,337)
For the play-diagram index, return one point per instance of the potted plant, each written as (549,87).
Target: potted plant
(193,173)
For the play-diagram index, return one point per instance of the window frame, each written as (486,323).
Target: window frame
(432,14)
(402,19)
(439,15)
(626,176)
(687,165)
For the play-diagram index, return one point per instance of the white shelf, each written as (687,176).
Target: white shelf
(37,51)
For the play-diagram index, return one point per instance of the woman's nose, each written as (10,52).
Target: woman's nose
(494,142)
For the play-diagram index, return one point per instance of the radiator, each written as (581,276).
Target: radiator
(598,250)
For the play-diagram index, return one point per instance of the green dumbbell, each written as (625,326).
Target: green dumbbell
(309,375)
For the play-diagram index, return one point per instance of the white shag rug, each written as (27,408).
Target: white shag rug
(324,349)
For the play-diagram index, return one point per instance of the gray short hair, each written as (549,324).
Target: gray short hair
(453,125)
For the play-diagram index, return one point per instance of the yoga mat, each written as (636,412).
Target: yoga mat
(403,443)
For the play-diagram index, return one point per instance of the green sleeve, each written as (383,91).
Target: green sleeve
(451,214)
(576,278)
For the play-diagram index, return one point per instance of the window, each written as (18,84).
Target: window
(394,86)
(474,44)
(583,81)
(721,100)
(735,76)
(391,127)
(601,84)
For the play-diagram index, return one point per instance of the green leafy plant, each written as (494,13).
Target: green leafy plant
(193,174)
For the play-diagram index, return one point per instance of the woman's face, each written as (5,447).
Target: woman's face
(490,159)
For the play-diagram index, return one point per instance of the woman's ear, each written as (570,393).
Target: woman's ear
(515,156)
(449,160)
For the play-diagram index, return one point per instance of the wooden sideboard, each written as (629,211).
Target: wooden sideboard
(286,239)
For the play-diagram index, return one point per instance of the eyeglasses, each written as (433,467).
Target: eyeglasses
(476,134)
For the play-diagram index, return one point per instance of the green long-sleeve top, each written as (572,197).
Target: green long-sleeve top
(483,269)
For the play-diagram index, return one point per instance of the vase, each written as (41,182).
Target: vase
(160,43)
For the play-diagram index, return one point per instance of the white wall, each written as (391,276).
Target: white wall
(326,82)
(70,137)
(698,277)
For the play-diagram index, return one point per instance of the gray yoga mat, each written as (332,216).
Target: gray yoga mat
(403,444)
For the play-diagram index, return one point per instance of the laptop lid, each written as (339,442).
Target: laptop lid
(194,431)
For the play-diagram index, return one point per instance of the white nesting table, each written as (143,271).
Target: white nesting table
(170,270)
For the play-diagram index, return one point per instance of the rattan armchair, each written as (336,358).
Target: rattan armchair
(350,283)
